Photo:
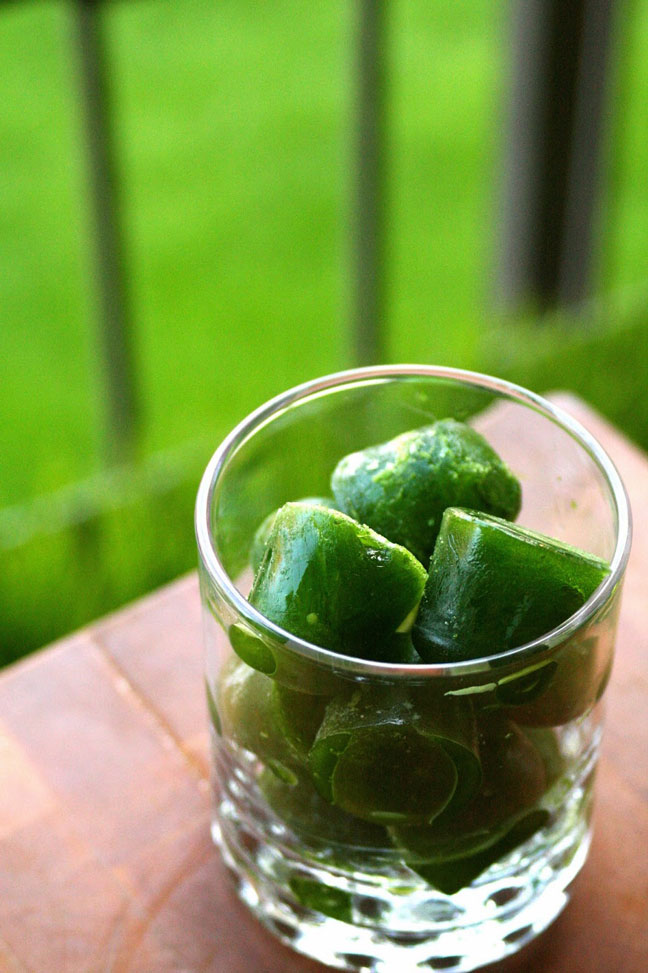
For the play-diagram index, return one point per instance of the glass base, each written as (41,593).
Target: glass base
(386,917)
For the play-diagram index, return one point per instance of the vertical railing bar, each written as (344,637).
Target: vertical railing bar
(588,139)
(369,217)
(523,153)
(555,146)
(623,97)
(114,315)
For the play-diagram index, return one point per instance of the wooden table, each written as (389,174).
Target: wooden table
(106,862)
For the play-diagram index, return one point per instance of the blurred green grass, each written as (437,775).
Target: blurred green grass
(234,136)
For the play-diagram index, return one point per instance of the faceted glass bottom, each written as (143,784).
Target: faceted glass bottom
(372,913)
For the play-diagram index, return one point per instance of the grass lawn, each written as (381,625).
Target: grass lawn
(234,136)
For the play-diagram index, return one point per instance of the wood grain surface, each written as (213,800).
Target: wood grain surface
(106,862)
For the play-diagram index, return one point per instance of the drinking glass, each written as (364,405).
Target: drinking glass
(363,891)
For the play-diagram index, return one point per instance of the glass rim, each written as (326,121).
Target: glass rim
(351,665)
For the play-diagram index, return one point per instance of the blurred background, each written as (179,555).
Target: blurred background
(203,204)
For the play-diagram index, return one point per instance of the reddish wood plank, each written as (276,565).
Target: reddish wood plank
(201,925)
(99,750)
(158,636)
(24,796)
(9,962)
(60,908)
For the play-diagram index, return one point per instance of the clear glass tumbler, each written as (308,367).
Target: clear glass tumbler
(366,893)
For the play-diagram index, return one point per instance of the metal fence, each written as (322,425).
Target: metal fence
(560,55)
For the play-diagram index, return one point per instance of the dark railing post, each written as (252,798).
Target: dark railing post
(561,62)
(369,216)
(112,297)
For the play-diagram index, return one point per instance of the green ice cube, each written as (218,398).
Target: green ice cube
(401,488)
(385,756)
(456,847)
(250,716)
(334,582)
(453,874)
(262,533)
(494,585)
(303,809)
(514,779)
